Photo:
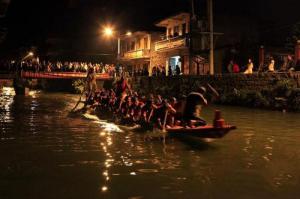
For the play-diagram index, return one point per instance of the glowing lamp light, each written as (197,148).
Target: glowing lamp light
(104,188)
(30,54)
(108,31)
(128,33)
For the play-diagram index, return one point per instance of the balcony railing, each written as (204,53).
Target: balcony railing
(137,54)
(172,43)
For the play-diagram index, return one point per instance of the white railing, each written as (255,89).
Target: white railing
(137,54)
(171,43)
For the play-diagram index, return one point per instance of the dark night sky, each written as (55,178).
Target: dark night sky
(77,21)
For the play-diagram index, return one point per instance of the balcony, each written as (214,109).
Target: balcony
(137,54)
(172,43)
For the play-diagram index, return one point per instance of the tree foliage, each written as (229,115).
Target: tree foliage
(293,37)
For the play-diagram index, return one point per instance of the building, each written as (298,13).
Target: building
(183,44)
(4,4)
(136,50)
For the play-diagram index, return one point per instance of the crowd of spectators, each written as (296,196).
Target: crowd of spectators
(285,64)
(58,66)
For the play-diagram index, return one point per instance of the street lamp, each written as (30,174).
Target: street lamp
(108,31)
(30,54)
(128,33)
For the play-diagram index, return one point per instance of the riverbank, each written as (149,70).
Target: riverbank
(275,91)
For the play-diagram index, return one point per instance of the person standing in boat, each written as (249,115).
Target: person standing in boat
(121,87)
(192,111)
(91,83)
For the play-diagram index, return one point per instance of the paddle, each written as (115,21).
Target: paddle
(78,101)
(165,121)
(215,92)
(85,87)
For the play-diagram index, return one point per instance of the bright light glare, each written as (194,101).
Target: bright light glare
(104,188)
(30,54)
(108,31)
(129,33)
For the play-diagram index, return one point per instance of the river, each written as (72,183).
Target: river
(45,153)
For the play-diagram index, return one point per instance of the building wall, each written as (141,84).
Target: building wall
(171,26)
(141,42)
(162,59)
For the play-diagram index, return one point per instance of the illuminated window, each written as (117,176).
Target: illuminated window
(176,31)
(170,32)
(132,45)
(183,28)
(145,43)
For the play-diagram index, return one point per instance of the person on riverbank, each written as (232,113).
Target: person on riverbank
(250,67)
(236,68)
(230,67)
(271,67)
(290,63)
(178,70)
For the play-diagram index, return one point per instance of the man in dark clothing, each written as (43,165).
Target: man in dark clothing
(290,63)
(177,70)
(170,73)
(297,66)
(192,112)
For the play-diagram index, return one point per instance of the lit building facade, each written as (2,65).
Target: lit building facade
(181,45)
(184,43)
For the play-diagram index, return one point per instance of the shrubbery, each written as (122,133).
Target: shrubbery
(284,95)
(78,85)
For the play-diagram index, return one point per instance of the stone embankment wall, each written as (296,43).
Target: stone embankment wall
(178,85)
(276,91)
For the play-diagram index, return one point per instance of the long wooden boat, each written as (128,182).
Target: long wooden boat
(201,132)
(198,132)
(208,131)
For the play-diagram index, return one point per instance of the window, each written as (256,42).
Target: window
(169,32)
(176,31)
(141,43)
(146,43)
(132,45)
(183,29)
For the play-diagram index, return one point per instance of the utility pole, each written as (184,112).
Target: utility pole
(193,10)
(211,37)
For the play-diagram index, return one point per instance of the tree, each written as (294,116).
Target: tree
(293,37)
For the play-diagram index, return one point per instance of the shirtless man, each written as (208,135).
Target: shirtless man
(121,87)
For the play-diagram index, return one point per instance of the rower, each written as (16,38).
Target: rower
(192,111)
(161,114)
(135,110)
(172,112)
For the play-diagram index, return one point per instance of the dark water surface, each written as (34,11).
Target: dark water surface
(44,154)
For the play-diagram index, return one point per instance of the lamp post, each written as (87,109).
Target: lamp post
(211,37)
(30,54)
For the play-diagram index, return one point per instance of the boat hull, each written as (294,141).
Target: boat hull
(201,132)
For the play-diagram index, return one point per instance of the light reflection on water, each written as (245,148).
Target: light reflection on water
(42,147)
